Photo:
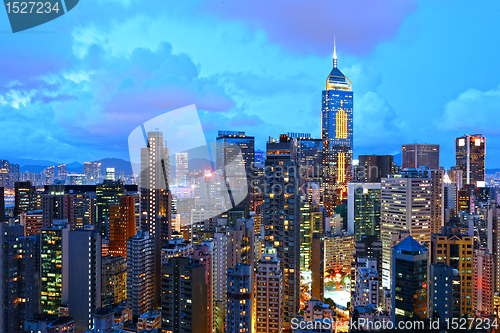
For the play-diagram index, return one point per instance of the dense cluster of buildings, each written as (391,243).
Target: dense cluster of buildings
(258,242)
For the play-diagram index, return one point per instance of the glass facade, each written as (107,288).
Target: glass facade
(337,136)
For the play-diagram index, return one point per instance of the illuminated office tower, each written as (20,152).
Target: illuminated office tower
(54,247)
(228,143)
(456,250)
(25,198)
(155,174)
(417,155)
(141,273)
(121,225)
(363,209)
(282,218)
(114,280)
(84,209)
(61,172)
(184,296)
(372,168)
(239,298)
(405,207)
(108,193)
(410,262)
(181,168)
(20,281)
(110,174)
(84,287)
(309,157)
(336,129)
(306,233)
(57,207)
(269,293)
(484,283)
(469,154)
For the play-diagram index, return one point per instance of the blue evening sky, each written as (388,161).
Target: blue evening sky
(422,71)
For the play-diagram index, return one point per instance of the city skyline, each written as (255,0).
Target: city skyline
(86,91)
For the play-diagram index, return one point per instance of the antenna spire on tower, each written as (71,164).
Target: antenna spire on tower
(334,52)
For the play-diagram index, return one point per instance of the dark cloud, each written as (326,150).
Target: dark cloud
(308,26)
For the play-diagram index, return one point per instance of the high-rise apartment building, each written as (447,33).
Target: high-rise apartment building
(337,136)
(440,291)
(121,225)
(54,267)
(363,209)
(469,154)
(114,280)
(367,282)
(318,266)
(405,207)
(84,288)
(181,168)
(372,168)
(269,293)
(456,251)
(184,296)
(339,252)
(92,172)
(282,218)
(416,155)
(140,273)
(240,300)
(61,172)
(155,193)
(21,280)
(32,222)
(410,262)
(484,283)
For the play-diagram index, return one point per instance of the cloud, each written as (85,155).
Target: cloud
(307,27)
(473,111)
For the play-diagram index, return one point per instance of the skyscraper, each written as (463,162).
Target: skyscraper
(416,155)
(155,177)
(484,283)
(108,193)
(140,273)
(372,168)
(25,197)
(441,291)
(61,172)
(363,209)
(184,296)
(121,225)
(181,168)
(21,280)
(54,267)
(269,293)
(229,146)
(239,298)
(84,288)
(469,153)
(409,279)
(337,136)
(114,280)
(405,207)
(456,250)
(282,218)
(57,207)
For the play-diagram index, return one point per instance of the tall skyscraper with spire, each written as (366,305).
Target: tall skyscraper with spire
(337,129)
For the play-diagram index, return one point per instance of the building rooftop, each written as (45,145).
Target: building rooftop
(410,246)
